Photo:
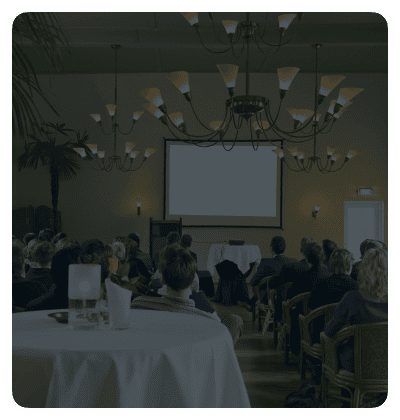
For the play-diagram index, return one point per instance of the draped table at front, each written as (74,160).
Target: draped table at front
(164,359)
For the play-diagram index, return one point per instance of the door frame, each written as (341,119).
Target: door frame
(379,227)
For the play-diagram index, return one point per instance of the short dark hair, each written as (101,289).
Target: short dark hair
(91,247)
(42,253)
(278,245)
(178,268)
(341,261)
(134,237)
(28,237)
(61,260)
(328,247)
(305,242)
(186,241)
(17,260)
(314,254)
(173,238)
(59,236)
(46,235)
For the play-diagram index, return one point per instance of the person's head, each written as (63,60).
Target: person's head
(17,261)
(58,237)
(135,238)
(41,254)
(328,247)
(305,242)
(118,239)
(173,238)
(131,249)
(90,248)
(59,267)
(28,237)
(108,251)
(278,245)
(18,243)
(314,254)
(118,250)
(373,274)
(341,261)
(186,241)
(46,235)
(177,267)
(369,244)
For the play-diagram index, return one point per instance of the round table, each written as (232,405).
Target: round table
(164,359)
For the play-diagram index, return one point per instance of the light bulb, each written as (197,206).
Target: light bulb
(286,20)
(137,115)
(153,110)
(228,73)
(293,151)
(303,114)
(230,26)
(101,154)
(133,154)
(286,76)
(129,146)
(279,152)
(351,154)
(180,79)
(111,109)
(96,117)
(176,118)
(153,95)
(191,17)
(328,83)
(93,148)
(345,94)
(80,151)
(330,151)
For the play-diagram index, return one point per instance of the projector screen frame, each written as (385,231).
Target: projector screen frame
(278,143)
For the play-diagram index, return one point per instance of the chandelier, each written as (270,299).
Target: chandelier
(249,107)
(122,165)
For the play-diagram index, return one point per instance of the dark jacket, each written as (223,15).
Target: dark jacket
(288,274)
(137,267)
(355,269)
(331,290)
(54,298)
(145,258)
(43,275)
(193,255)
(25,291)
(304,282)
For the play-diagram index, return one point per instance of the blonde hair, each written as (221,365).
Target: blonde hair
(341,261)
(373,274)
(305,242)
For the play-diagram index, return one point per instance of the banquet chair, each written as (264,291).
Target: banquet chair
(287,307)
(261,310)
(370,362)
(277,296)
(307,347)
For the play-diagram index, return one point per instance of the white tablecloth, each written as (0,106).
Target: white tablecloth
(163,360)
(241,255)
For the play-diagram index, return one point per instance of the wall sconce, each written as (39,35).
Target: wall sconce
(364,191)
(138,207)
(315,211)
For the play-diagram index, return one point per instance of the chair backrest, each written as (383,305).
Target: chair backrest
(301,302)
(263,281)
(370,351)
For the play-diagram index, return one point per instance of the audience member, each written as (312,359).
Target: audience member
(17,265)
(178,270)
(41,256)
(58,237)
(268,267)
(28,237)
(91,249)
(366,305)
(46,235)
(328,246)
(186,243)
(364,247)
(141,255)
(137,266)
(172,238)
(57,296)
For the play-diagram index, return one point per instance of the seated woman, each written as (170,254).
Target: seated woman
(57,296)
(232,286)
(46,235)
(28,238)
(17,265)
(178,269)
(91,249)
(137,266)
(366,305)
(38,281)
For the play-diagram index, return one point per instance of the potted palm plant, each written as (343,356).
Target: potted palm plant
(60,159)
(42,32)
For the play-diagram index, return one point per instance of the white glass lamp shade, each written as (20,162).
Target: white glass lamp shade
(317,208)
(129,146)
(137,115)
(180,79)
(334,157)
(101,154)
(153,95)
(317,117)
(84,281)
(191,17)
(286,76)
(138,203)
(215,125)
(93,148)
(345,94)
(303,114)
(300,155)
(153,110)
(80,151)
(111,109)
(331,106)
(230,26)
(228,73)
(149,152)
(293,112)
(279,152)
(96,117)
(133,154)
(264,125)
(330,150)
(176,118)
(351,154)
(341,110)
(328,83)
(293,151)
(286,20)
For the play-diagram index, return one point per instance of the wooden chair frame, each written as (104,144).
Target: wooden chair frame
(306,345)
(262,311)
(362,381)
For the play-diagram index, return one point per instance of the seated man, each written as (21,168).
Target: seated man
(172,238)
(139,254)
(41,255)
(178,269)
(328,246)
(186,243)
(268,267)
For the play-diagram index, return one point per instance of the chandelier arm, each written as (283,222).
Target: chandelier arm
(95,169)
(269,141)
(264,52)
(284,43)
(293,170)
(108,167)
(107,134)
(338,169)
(125,134)
(265,25)
(198,119)
(234,142)
(215,32)
(326,125)
(136,169)
(268,113)
(214,52)
(252,142)
(241,52)
(321,169)
(182,132)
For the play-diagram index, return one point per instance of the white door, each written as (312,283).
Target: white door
(362,220)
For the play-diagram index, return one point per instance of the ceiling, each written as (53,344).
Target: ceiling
(165,42)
